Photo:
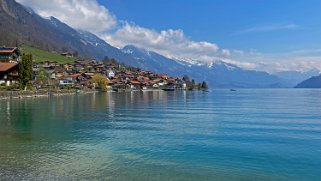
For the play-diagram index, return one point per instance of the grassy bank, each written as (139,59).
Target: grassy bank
(42,55)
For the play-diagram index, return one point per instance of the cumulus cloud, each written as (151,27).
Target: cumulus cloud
(80,14)
(299,60)
(301,64)
(171,43)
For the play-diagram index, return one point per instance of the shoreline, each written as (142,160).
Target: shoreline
(5,95)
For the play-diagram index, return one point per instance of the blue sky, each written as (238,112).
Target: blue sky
(269,35)
(265,25)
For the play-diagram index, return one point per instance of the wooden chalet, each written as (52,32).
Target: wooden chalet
(9,73)
(9,54)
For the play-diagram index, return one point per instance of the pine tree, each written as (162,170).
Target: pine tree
(199,86)
(25,71)
(186,78)
(204,85)
(192,86)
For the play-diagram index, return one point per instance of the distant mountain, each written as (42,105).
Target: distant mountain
(152,61)
(228,75)
(293,78)
(218,74)
(313,82)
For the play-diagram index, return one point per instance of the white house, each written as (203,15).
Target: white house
(161,83)
(52,75)
(66,81)
(111,74)
(184,85)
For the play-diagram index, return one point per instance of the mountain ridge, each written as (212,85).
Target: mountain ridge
(23,26)
(313,82)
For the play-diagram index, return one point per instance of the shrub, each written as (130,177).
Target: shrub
(101,82)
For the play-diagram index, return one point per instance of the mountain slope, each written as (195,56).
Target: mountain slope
(313,82)
(228,75)
(20,25)
(39,55)
(152,61)
(293,78)
(219,74)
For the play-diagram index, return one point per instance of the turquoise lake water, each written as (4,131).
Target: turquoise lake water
(256,134)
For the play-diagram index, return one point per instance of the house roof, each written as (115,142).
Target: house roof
(134,82)
(7,66)
(74,75)
(99,66)
(7,49)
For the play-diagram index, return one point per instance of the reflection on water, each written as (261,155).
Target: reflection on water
(243,135)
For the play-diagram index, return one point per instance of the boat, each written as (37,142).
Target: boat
(233,90)
(122,90)
(169,89)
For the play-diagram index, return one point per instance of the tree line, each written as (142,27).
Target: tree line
(191,84)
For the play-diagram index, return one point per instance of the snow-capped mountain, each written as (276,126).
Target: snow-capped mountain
(217,74)
(152,61)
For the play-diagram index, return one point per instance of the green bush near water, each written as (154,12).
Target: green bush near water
(9,88)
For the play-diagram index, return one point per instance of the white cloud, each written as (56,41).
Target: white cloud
(171,43)
(242,64)
(301,64)
(81,14)
(300,60)
(238,52)
(274,27)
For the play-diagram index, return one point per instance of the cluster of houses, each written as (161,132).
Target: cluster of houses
(79,74)
(119,77)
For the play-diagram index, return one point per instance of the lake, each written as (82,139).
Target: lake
(249,134)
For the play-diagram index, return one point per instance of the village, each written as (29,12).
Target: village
(105,75)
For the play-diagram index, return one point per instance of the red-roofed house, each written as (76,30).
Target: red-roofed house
(9,73)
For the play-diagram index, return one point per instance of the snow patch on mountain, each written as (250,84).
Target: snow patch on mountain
(128,51)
